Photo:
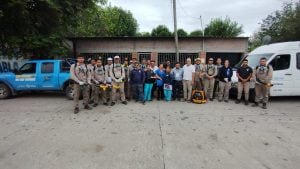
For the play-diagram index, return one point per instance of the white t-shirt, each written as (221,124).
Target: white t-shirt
(188,72)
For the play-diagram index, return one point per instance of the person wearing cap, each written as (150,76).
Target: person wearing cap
(98,78)
(129,88)
(210,72)
(82,78)
(117,74)
(216,86)
(108,95)
(198,85)
(244,74)
(91,66)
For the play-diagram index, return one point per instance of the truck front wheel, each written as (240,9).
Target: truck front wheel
(69,92)
(5,91)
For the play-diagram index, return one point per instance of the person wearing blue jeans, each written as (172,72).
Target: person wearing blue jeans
(168,79)
(160,75)
(137,78)
(149,80)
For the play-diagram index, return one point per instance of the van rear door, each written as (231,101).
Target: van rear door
(282,75)
(296,75)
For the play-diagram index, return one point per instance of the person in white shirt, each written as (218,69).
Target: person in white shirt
(188,79)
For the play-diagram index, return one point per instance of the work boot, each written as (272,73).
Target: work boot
(95,105)
(87,107)
(264,106)
(105,104)
(211,99)
(76,110)
(255,104)
(246,102)
(112,103)
(124,102)
(238,101)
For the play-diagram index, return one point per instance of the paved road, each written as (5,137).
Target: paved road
(40,132)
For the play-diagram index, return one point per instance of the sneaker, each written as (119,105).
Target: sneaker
(76,110)
(105,104)
(264,106)
(124,102)
(255,104)
(246,102)
(112,103)
(238,101)
(220,100)
(87,107)
(144,102)
(95,105)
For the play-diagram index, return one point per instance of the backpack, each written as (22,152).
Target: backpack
(198,96)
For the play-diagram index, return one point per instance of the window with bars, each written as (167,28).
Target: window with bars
(163,57)
(104,56)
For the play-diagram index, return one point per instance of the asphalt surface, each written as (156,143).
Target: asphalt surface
(40,131)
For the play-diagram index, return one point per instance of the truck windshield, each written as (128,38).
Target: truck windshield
(253,60)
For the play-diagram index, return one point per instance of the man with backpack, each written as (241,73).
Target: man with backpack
(263,75)
(81,75)
(210,72)
(117,74)
(98,78)
(244,74)
(108,80)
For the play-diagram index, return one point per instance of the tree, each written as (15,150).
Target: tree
(196,33)
(182,33)
(282,25)
(143,34)
(118,22)
(161,31)
(223,28)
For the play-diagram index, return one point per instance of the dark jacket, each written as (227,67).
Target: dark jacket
(137,76)
(225,73)
(168,79)
(148,75)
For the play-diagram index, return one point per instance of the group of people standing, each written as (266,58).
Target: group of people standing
(139,81)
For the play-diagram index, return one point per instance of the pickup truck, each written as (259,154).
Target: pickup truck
(37,75)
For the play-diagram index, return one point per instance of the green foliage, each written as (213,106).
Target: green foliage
(196,33)
(182,33)
(223,28)
(143,34)
(282,25)
(161,31)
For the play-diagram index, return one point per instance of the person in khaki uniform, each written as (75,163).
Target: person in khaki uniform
(198,74)
(92,87)
(244,74)
(99,78)
(82,78)
(225,74)
(263,76)
(210,72)
(108,95)
(117,74)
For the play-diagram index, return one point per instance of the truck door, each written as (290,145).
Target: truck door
(26,78)
(282,75)
(48,79)
(296,75)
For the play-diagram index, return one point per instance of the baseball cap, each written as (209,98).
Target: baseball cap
(117,57)
(109,58)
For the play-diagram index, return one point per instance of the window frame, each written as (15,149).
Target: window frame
(20,70)
(274,66)
(47,63)
(298,60)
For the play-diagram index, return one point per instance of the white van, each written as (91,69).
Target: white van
(285,59)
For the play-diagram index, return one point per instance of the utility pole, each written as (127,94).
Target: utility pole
(203,33)
(175,30)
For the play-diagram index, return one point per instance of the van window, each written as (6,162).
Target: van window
(48,67)
(65,66)
(281,62)
(29,68)
(298,60)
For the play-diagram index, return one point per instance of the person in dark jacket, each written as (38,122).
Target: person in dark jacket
(168,79)
(160,74)
(225,74)
(137,78)
(149,81)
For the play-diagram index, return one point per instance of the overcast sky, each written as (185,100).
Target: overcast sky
(150,13)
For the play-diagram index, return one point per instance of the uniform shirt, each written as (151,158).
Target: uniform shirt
(107,74)
(177,74)
(188,72)
(117,72)
(129,69)
(263,74)
(198,70)
(244,72)
(80,73)
(210,70)
(99,73)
